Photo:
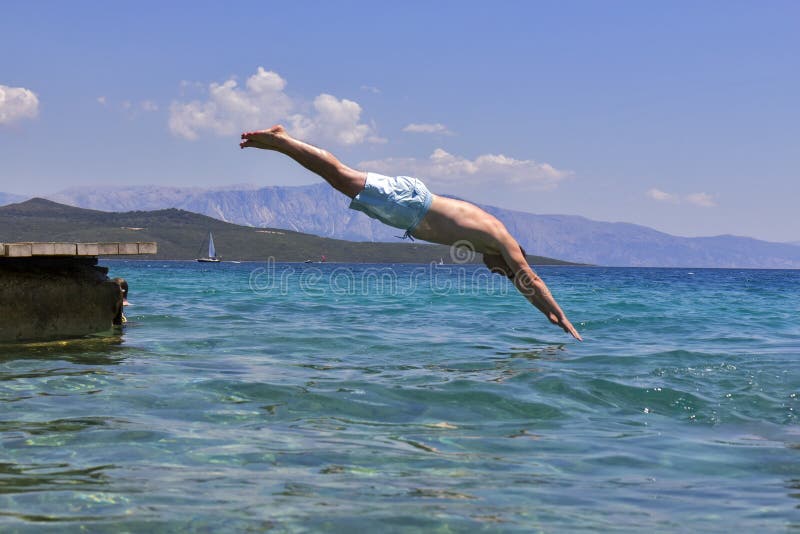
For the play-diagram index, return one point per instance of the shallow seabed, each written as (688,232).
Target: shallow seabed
(307,398)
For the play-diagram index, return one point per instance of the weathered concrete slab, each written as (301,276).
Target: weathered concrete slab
(108,249)
(148,248)
(18,250)
(65,249)
(129,248)
(23,250)
(88,249)
(43,249)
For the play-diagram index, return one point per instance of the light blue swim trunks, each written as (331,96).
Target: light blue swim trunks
(399,201)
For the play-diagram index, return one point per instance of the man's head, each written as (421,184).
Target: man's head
(497,264)
(123,286)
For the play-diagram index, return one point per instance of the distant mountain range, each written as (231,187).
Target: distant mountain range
(181,233)
(317,209)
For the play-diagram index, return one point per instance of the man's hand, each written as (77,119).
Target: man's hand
(534,289)
(564,323)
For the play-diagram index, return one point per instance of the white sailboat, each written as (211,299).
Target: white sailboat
(212,252)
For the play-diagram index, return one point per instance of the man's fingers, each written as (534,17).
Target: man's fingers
(575,333)
(571,330)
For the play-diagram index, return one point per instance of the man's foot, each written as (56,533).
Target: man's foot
(269,139)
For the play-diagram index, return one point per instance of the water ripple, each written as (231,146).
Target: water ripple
(220,408)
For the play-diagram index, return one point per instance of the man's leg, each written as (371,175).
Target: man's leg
(340,176)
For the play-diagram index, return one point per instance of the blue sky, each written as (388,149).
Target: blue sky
(682,116)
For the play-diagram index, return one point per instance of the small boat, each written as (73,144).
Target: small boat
(212,252)
(323,259)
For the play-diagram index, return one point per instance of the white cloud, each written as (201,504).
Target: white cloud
(370,89)
(102,100)
(262,102)
(436,128)
(661,196)
(148,105)
(445,170)
(704,200)
(17,103)
(335,120)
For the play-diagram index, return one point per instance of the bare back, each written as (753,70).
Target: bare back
(449,220)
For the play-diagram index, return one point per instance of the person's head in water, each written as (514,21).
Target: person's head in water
(123,286)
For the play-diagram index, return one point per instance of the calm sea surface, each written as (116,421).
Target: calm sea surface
(305,398)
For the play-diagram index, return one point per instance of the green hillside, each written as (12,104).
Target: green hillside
(180,235)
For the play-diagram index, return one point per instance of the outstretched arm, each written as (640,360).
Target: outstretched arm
(340,176)
(534,289)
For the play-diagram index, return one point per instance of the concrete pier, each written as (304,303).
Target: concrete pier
(57,290)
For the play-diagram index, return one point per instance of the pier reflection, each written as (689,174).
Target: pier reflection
(94,350)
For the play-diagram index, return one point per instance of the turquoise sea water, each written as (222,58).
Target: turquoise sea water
(306,398)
